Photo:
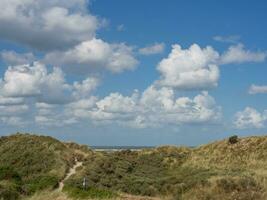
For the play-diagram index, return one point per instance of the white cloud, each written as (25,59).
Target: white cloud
(238,54)
(85,88)
(13,58)
(192,68)
(13,111)
(163,106)
(10,110)
(155,99)
(35,81)
(153,49)
(50,101)
(51,115)
(11,101)
(44,108)
(53,120)
(155,107)
(116,103)
(47,97)
(250,118)
(257,89)
(43,96)
(47,24)
(198,68)
(227,39)
(82,104)
(23,80)
(13,121)
(95,55)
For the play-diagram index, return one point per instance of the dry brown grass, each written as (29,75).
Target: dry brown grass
(247,153)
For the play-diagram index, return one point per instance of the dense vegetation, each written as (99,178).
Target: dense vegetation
(229,169)
(33,166)
(30,163)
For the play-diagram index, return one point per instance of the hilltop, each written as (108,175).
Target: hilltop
(32,166)
(29,163)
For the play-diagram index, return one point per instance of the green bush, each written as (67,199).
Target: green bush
(233,139)
(8,173)
(230,184)
(141,173)
(40,183)
(91,192)
(8,193)
(30,163)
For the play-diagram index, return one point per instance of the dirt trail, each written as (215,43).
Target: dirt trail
(70,173)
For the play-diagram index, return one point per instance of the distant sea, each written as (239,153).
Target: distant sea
(119,148)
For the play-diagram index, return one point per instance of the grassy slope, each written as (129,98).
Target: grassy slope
(30,163)
(219,170)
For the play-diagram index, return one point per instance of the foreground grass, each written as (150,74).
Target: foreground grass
(220,170)
(31,167)
(91,193)
(31,163)
(48,195)
(57,195)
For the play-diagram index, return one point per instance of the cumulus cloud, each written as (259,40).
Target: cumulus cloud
(50,98)
(161,104)
(154,107)
(47,25)
(153,49)
(36,81)
(13,58)
(11,100)
(250,118)
(13,121)
(23,80)
(85,88)
(51,115)
(192,68)
(13,111)
(238,54)
(257,89)
(94,55)
(9,110)
(198,68)
(45,96)
(116,103)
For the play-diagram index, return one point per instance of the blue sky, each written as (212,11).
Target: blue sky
(133,72)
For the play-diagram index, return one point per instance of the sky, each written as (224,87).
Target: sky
(133,72)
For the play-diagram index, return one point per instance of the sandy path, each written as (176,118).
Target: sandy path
(70,173)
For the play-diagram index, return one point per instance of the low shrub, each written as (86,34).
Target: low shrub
(8,173)
(233,139)
(230,184)
(8,193)
(40,183)
(91,192)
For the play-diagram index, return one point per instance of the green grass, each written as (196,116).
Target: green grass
(90,192)
(31,163)
(145,174)
(222,170)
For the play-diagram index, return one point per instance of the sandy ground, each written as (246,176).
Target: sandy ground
(69,174)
